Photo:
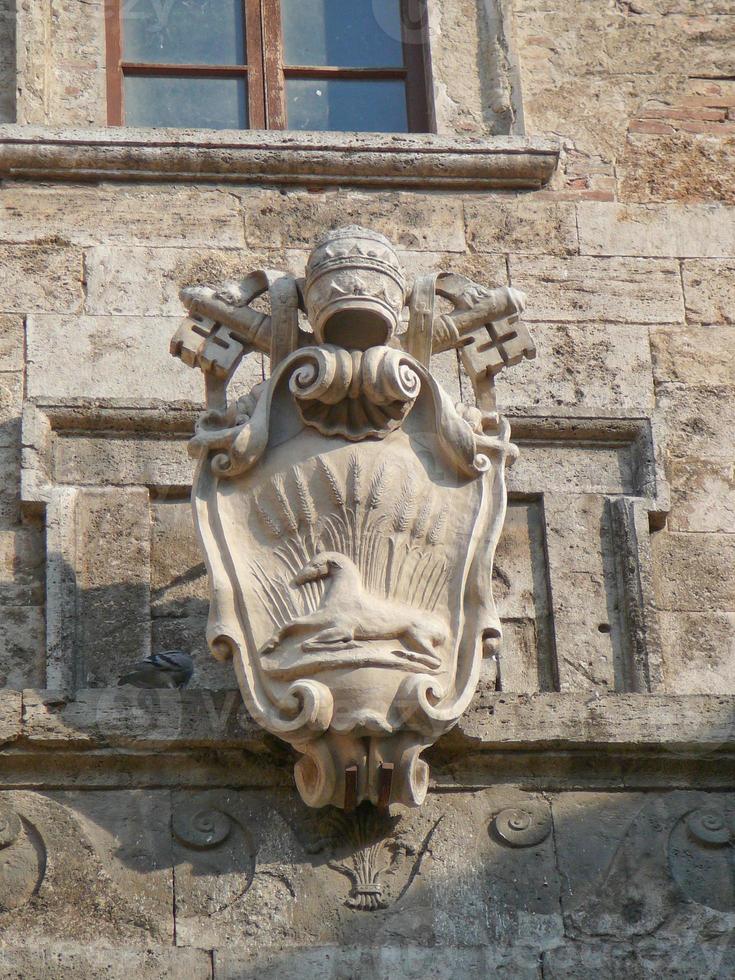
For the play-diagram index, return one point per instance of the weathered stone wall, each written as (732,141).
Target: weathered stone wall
(628,259)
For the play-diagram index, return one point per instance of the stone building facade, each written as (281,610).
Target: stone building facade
(580,820)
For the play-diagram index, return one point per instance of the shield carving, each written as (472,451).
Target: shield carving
(349,511)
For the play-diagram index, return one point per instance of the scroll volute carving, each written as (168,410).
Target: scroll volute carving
(348,510)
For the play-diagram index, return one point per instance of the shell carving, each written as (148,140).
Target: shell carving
(354,394)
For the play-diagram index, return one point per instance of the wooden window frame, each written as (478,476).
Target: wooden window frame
(265,71)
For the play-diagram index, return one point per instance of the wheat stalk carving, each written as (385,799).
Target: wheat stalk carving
(375,519)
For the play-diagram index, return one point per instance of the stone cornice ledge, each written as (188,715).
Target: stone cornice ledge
(308,159)
(495,722)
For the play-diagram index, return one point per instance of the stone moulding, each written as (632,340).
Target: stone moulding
(308,159)
(667,725)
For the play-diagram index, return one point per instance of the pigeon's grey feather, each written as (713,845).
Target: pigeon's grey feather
(170,669)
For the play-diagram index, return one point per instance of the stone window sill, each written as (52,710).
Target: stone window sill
(289,158)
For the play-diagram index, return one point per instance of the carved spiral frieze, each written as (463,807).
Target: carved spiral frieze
(523,826)
(701,849)
(10,826)
(22,859)
(708,826)
(201,829)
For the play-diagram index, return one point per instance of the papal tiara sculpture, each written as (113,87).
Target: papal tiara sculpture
(348,510)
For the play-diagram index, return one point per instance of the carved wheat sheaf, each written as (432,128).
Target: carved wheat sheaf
(377,520)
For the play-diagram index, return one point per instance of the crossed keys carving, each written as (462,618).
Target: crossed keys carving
(222,327)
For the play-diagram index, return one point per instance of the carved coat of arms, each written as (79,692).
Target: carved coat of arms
(348,510)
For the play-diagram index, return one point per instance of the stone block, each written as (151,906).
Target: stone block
(702,495)
(383,962)
(698,420)
(237,885)
(7,63)
(11,711)
(584,593)
(11,343)
(706,955)
(698,652)
(679,959)
(602,40)
(68,961)
(564,99)
(43,277)
(22,567)
(694,571)
(131,717)
(522,224)
(709,291)
(579,961)
(22,660)
(520,588)
(296,219)
(78,36)
(694,355)
(189,633)
(61,61)
(9,486)
(145,281)
(128,461)
(107,357)
(112,573)
(91,869)
(637,867)
(11,407)
(456,37)
(591,365)
(487,268)
(81,95)
(130,836)
(608,290)
(682,167)
(146,214)
(682,231)
(179,585)
(573,469)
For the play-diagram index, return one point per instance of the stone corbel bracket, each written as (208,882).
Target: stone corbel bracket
(307,159)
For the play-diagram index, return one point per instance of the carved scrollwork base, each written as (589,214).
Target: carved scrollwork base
(321,772)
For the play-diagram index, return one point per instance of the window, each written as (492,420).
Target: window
(268,64)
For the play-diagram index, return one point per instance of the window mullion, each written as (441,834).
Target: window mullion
(113,45)
(273,59)
(254,59)
(419,101)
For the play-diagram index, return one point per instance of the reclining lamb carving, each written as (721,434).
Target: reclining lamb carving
(348,615)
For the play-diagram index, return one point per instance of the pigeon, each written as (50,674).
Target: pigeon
(170,669)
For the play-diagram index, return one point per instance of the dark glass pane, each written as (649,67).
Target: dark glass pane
(181,103)
(345,105)
(195,32)
(345,33)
